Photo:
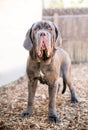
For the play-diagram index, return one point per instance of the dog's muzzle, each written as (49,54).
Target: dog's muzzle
(44,45)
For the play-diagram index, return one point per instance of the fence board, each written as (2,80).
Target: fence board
(74,32)
(78,50)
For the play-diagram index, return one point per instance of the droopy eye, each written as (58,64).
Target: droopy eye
(36,28)
(49,28)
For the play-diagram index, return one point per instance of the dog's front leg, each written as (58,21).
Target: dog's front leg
(31,93)
(52,102)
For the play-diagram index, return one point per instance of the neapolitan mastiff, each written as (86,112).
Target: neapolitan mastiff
(45,56)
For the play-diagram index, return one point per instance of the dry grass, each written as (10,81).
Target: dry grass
(13,100)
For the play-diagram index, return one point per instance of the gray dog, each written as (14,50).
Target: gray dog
(45,56)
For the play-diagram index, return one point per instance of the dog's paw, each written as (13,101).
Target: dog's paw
(53,118)
(74,100)
(25,114)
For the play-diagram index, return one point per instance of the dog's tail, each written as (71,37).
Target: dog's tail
(64,86)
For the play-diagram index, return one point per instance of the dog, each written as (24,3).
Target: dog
(43,42)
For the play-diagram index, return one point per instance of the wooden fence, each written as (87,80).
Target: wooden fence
(74,32)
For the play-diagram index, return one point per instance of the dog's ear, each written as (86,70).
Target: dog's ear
(58,39)
(28,40)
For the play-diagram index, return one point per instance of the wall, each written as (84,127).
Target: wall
(16,17)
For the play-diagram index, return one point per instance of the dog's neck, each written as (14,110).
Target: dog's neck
(44,59)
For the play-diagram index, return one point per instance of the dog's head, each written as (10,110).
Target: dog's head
(42,39)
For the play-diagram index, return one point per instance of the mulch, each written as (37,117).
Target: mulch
(13,100)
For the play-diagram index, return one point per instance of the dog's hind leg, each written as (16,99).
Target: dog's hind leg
(67,80)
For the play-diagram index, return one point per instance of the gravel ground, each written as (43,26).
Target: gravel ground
(13,100)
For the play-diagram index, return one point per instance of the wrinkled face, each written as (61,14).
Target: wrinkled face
(43,36)
(42,39)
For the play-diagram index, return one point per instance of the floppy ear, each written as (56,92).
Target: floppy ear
(28,41)
(58,39)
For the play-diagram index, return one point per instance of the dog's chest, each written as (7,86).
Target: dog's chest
(50,71)
(46,68)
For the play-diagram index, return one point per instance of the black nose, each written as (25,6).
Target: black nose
(42,34)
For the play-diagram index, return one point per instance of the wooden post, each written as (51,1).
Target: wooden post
(56,19)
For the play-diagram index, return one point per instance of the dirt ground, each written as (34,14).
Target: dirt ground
(13,100)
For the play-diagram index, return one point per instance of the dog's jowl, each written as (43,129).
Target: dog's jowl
(46,62)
